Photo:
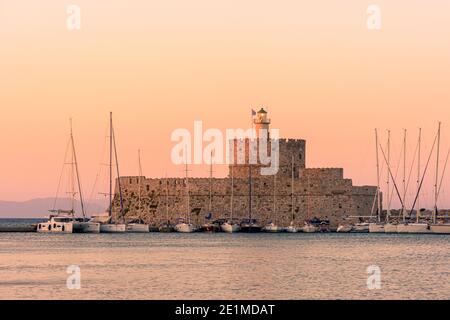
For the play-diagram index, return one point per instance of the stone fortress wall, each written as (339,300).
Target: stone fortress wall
(318,192)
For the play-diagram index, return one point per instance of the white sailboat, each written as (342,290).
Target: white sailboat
(377,227)
(231,226)
(272,226)
(442,226)
(115,227)
(186,226)
(139,226)
(64,221)
(292,228)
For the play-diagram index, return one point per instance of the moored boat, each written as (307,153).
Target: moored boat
(344,228)
(440,228)
(376,227)
(362,227)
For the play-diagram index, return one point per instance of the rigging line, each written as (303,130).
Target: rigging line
(412,166)
(61,175)
(423,177)
(78,173)
(443,173)
(118,174)
(393,180)
(391,196)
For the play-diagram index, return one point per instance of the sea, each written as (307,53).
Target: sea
(223,266)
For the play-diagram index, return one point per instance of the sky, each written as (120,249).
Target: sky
(160,65)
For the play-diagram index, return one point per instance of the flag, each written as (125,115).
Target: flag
(253,113)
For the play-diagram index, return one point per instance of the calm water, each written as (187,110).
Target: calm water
(222,266)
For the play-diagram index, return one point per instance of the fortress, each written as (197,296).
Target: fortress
(322,193)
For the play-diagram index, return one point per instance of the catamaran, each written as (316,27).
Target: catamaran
(64,221)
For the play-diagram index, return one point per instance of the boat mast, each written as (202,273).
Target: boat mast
(210,182)
(418,175)
(250,191)
(232,195)
(274,196)
(378,177)
(167,199)
(110,164)
(404,176)
(436,192)
(72,177)
(118,173)
(188,205)
(388,191)
(139,182)
(75,163)
(292,187)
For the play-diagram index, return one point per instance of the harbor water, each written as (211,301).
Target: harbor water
(224,266)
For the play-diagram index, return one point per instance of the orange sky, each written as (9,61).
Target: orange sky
(160,65)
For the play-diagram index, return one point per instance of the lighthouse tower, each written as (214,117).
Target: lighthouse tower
(261,122)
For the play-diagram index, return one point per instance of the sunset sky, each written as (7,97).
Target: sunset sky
(160,65)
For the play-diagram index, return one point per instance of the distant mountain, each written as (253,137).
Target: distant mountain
(38,208)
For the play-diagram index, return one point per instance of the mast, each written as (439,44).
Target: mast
(110,163)
(292,187)
(232,195)
(118,173)
(188,205)
(274,196)
(167,199)
(436,192)
(75,163)
(250,191)
(139,181)
(388,187)
(378,177)
(72,176)
(418,175)
(210,183)
(404,176)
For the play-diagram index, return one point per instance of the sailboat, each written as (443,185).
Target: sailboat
(167,226)
(110,227)
(292,228)
(231,226)
(64,221)
(210,226)
(389,226)
(250,225)
(272,226)
(138,226)
(441,226)
(377,227)
(186,226)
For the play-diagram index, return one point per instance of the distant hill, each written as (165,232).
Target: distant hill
(38,208)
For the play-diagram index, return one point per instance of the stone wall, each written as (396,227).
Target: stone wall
(322,193)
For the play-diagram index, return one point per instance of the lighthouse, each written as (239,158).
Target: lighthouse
(261,122)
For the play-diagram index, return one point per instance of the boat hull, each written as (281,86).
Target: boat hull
(291,229)
(310,229)
(210,228)
(271,229)
(52,227)
(250,228)
(440,228)
(402,228)
(166,228)
(86,227)
(185,228)
(230,228)
(344,229)
(418,228)
(112,228)
(376,228)
(137,228)
(390,228)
